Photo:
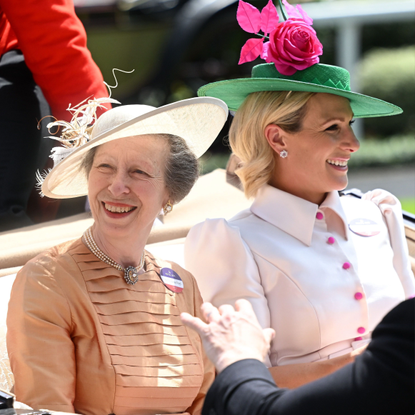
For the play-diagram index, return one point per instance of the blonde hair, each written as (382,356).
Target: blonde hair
(247,138)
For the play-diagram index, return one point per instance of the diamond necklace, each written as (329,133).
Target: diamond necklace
(130,273)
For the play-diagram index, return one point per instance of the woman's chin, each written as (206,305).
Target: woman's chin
(114,224)
(339,184)
(343,185)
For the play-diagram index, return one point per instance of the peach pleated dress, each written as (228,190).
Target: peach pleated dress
(82,340)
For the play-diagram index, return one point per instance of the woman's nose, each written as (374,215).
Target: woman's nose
(119,184)
(350,142)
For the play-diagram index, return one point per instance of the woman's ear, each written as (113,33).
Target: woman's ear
(275,136)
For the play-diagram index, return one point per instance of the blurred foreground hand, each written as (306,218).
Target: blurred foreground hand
(231,334)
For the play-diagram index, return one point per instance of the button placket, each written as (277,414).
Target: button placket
(358,295)
(331,240)
(346,265)
(361,330)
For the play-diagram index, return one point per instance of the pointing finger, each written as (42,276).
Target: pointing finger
(210,312)
(194,323)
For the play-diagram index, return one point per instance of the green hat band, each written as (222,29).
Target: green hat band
(331,76)
(317,78)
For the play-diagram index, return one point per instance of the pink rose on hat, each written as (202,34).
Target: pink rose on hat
(293,46)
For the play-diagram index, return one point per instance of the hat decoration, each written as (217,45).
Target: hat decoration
(77,132)
(291,50)
(292,44)
(74,133)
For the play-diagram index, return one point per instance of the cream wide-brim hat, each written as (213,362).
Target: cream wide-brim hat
(197,120)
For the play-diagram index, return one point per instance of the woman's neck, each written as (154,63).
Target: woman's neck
(123,250)
(294,185)
(316,198)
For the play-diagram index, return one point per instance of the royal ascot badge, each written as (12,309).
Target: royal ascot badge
(171,280)
(364,227)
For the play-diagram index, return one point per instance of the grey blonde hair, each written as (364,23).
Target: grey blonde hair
(182,168)
(247,138)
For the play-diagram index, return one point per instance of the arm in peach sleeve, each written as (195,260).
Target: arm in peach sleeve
(209,369)
(391,209)
(39,341)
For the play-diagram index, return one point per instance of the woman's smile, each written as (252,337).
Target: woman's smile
(338,162)
(118,210)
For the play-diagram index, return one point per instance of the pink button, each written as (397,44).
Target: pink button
(346,265)
(358,338)
(319,216)
(361,330)
(331,240)
(358,296)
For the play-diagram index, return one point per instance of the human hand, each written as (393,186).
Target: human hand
(231,334)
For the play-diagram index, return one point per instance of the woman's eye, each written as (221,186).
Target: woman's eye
(138,171)
(352,122)
(333,127)
(103,166)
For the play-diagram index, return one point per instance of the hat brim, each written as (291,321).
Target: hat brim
(197,120)
(234,92)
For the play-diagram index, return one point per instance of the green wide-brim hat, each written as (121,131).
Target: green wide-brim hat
(317,78)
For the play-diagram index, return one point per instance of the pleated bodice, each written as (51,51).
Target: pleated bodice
(133,354)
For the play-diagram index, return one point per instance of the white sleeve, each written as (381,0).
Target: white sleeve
(224,267)
(391,209)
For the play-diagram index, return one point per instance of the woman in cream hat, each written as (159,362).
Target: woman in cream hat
(94,324)
(320,269)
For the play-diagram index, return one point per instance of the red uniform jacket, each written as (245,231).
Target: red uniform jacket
(53,42)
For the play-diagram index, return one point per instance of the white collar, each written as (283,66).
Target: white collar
(292,214)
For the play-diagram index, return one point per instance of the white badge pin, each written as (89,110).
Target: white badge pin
(364,227)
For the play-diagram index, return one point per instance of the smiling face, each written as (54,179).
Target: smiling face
(318,153)
(126,186)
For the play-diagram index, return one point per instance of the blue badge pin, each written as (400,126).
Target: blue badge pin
(171,280)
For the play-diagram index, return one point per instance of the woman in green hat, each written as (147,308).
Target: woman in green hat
(320,269)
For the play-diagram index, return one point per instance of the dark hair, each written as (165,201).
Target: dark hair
(182,168)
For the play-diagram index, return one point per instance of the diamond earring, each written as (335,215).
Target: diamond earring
(168,208)
(283,154)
